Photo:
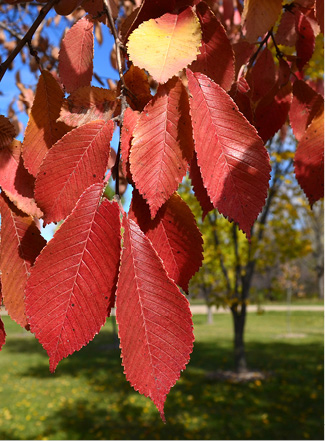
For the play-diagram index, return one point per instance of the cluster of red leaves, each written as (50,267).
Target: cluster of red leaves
(203,122)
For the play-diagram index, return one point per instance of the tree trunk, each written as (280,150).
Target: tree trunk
(210,315)
(239,319)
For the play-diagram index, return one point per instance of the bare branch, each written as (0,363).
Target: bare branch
(27,38)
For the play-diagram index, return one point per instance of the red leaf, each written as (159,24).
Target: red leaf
(154,318)
(262,78)
(200,191)
(272,112)
(238,93)
(42,129)
(309,160)
(76,55)
(286,32)
(320,14)
(243,51)
(7,132)
(305,44)
(305,105)
(162,144)
(21,243)
(129,122)
(217,58)
(233,161)
(87,104)
(71,288)
(173,234)
(2,328)
(15,180)
(74,163)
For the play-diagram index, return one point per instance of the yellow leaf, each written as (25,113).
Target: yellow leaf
(166,45)
(259,16)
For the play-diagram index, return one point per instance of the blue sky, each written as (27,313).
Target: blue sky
(102,67)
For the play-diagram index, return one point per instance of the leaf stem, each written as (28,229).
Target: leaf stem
(27,37)
(255,54)
(124,104)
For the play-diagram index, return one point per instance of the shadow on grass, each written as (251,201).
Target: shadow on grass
(288,405)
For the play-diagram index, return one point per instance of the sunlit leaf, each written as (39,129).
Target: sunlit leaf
(154,319)
(162,144)
(77,161)
(232,158)
(259,16)
(166,45)
(76,55)
(71,289)
(88,104)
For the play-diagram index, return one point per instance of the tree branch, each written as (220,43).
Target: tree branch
(124,104)
(221,259)
(237,259)
(27,38)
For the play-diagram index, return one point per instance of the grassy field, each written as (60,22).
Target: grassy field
(89,398)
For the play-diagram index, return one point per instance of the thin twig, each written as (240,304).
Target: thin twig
(255,54)
(124,104)
(237,258)
(27,38)
(279,54)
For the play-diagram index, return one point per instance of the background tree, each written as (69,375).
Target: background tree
(219,96)
(232,263)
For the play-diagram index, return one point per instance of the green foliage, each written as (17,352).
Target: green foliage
(88,397)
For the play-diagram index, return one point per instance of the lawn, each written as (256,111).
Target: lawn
(89,398)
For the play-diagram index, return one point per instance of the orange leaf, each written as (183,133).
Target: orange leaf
(7,132)
(88,104)
(259,16)
(42,129)
(21,243)
(15,180)
(166,45)
(137,82)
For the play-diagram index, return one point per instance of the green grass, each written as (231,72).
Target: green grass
(308,301)
(89,398)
